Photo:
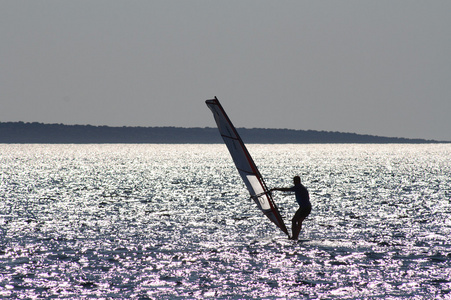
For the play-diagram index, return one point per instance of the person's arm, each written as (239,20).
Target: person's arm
(281,189)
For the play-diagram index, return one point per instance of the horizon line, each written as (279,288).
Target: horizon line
(214,127)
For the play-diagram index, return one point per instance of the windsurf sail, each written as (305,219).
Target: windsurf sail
(245,164)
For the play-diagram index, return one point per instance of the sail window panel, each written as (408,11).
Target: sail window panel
(258,190)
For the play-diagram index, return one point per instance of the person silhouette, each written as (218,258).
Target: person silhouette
(305,207)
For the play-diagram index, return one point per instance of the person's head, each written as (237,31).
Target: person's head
(297,180)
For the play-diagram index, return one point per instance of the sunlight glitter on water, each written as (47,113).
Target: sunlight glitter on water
(174,221)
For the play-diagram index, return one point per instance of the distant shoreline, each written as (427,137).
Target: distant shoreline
(41,133)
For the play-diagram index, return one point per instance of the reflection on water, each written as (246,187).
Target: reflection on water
(174,221)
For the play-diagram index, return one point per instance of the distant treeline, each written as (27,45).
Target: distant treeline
(20,132)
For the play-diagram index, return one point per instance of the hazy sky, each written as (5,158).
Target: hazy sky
(369,67)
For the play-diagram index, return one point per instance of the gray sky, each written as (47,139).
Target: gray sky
(369,67)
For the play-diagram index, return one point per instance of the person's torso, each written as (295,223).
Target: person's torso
(302,195)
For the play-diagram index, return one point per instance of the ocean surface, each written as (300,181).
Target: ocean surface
(176,222)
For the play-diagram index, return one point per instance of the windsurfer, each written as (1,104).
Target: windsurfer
(303,199)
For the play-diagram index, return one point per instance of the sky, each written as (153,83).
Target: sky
(368,67)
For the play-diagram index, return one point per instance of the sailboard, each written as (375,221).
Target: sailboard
(245,164)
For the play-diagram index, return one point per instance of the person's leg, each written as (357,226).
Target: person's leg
(296,228)
(296,222)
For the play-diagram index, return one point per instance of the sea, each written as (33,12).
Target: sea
(151,221)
